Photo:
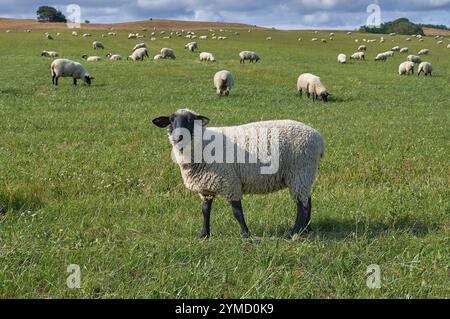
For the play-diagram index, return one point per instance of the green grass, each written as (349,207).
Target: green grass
(86,179)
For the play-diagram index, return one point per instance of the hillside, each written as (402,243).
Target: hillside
(23,24)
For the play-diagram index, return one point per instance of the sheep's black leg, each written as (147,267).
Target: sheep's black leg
(74,81)
(308,228)
(236,206)
(206,210)
(302,220)
(56,80)
(300,92)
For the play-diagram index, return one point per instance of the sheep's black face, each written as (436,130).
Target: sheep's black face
(180,122)
(88,79)
(324,96)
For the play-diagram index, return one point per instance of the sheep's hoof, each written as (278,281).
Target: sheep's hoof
(203,235)
(246,235)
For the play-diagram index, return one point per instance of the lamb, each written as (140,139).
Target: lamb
(138,46)
(91,58)
(65,68)
(342,58)
(191,46)
(114,57)
(158,57)
(138,54)
(414,58)
(49,54)
(300,150)
(168,53)
(223,82)
(312,84)
(406,68)
(425,67)
(248,55)
(357,55)
(423,52)
(362,48)
(404,50)
(206,56)
(97,45)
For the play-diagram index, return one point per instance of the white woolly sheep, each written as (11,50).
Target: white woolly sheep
(342,58)
(191,46)
(49,54)
(203,37)
(66,68)
(168,53)
(138,54)
(300,150)
(269,38)
(423,52)
(158,57)
(206,56)
(389,53)
(223,82)
(358,55)
(97,45)
(114,57)
(49,36)
(404,50)
(74,33)
(414,58)
(362,48)
(248,55)
(448,46)
(425,67)
(440,42)
(314,39)
(139,46)
(312,84)
(86,35)
(406,68)
(396,48)
(381,57)
(91,58)
(132,36)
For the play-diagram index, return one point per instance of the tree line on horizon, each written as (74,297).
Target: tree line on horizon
(401,26)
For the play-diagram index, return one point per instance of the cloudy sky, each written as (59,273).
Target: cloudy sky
(284,14)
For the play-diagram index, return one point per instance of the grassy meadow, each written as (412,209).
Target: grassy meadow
(85,177)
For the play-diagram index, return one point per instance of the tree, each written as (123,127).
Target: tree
(49,14)
(87,21)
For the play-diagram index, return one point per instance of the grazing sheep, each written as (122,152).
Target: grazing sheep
(138,46)
(97,45)
(331,34)
(406,68)
(389,53)
(448,46)
(440,42)
(203,37)
(300,150)
(362,48)
(91,58)
(314,39)
(158,57)
(138,54)
(223,82)
(49,54)
(404,50)
(49,36)
(414,58)
(396,48)
(66,68)
(248,55)
(423,52)
(342,58)
(381,57)
(426,68)
(86,35)
(269,38)
(191,46)
(358,55)
(74,33)
(323,40)
(167,53)
(114,57)
(312,84)
(132,36)
(206,56)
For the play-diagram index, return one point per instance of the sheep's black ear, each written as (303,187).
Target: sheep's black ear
(204,119)
(161,121)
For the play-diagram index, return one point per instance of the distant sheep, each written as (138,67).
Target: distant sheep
(425,67)
(357,56)
(158,57)
(138,54)
(49,54)
(191,46)
(168,53)
(406,68)
(65,68)
(342,58)
(223,82)
(414,58)
(362,48)
(97,45)
(423,52)
(85,35)
(312,84)
(139,46)
(248,55)
(91,58)
(206,56)
(396,48)
(404,50)
(381,57)
(114,57)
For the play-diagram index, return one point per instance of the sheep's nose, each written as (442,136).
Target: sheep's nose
(179,139)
